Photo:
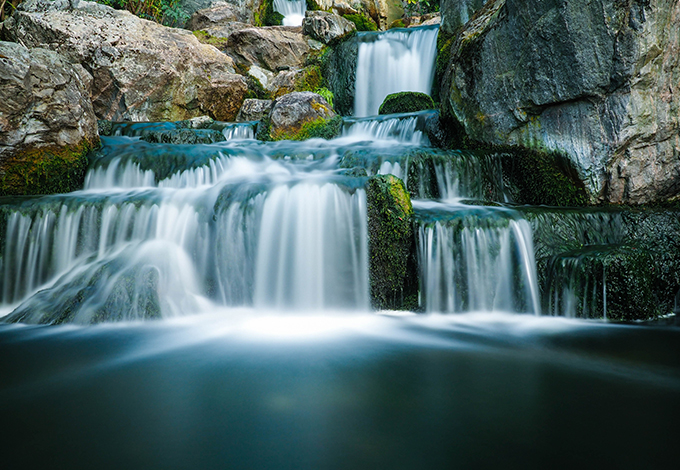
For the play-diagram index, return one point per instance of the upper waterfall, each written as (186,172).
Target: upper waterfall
(293,11)
(393,61)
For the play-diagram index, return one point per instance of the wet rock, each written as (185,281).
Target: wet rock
(254,110)
(141,71)
(591,80)
(299,116)
(184,136)
(339,71)
(455,13)
(47,121)
(392,273)
(326,27)
(406,102)
(274,48)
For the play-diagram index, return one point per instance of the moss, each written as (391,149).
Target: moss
(309,80)
(266,16)
(45,170)
(206,38)
(318,128)
(313,6)
(397,24)
(393,277)
(326,94)
(362,22)
(406,102)
(444,47)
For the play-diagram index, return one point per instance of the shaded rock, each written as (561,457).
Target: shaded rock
(326,27)
(406,102)
(184,136)
(141,71)
(297,116)
(47,124)
(591,80)
(339,71)
(392,272)
(274,47)
(455,13)
(254,110)
(216,16)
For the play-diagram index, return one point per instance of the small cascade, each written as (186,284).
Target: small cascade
(293,11)
(237,131)
(393,61)
(475,258)
(407,128)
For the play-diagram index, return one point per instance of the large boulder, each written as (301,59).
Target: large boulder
(217,16)
(141,71)
(326,27)
(299,116)
(274,48)
(47,124)
(593,80)
(455,13)
(245,8)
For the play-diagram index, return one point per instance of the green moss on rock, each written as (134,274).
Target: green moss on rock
(44,170)
(266,16)
(206,38)
(362,22)
(319,128)
(406,102)
(393,277)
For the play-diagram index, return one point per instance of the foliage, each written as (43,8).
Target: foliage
(420,7)
(7,7)
(313,6)
(326,94)
(406,102)
(166,12)
(362,22)
(266,16)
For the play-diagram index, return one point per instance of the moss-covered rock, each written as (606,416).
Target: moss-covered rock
(266,16)
(362,22)
(406,102)
(393,276)
(45,170)
(299,116)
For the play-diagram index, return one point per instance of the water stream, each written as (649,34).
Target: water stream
(293,11)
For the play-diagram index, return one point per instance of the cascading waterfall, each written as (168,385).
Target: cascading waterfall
(293,11)
(393,61)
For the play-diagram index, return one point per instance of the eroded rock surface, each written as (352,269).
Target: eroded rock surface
(594,80)
(254,110)
(46,121)
(274,48)
(326,27)
(141,71)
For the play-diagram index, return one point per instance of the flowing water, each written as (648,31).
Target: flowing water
(229,285)
(293,11)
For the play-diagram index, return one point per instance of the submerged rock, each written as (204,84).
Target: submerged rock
(300,116)
(326,27)
(591,80)
(47,121)
(406,102)
(141,71)
(391,249)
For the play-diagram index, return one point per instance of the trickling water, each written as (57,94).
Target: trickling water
(293,11)
(475,258)
(393,61)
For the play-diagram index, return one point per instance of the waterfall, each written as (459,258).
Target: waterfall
(475,258)
(293,11)
(393,61)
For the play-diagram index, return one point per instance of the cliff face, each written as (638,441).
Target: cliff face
(595,80)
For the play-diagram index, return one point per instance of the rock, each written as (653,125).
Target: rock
(406,102)
(455,13)
(392,270)
(339,72)
(299,116)
(47,124)
(141,71)
(593,80)
(216,16)
(254,110)
(326,27)
(273,47)
(184,136)
(342,8)
(244,8)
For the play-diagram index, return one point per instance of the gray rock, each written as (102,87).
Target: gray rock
(273,47)
(254,110)
(44,104)
(292,111)
(141,71)
(216,16)
(245,8)
(590,79)
(455,13)
(326,27)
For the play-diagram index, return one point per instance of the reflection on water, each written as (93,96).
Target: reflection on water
(246,389)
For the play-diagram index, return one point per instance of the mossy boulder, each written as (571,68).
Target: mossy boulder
(392,272)
(300,116)
(362,22)
(406,102)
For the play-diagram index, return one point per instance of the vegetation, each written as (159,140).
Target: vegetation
(406,102)
(362,22)
(206,38)
(166,12)
(317,129)
(266,16)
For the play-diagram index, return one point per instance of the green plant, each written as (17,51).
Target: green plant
(362,22)
(326,94)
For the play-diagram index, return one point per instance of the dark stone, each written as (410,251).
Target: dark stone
(338,67)
(406,102)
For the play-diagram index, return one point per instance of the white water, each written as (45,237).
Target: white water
(293,11)
(476,259)
(393,61)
